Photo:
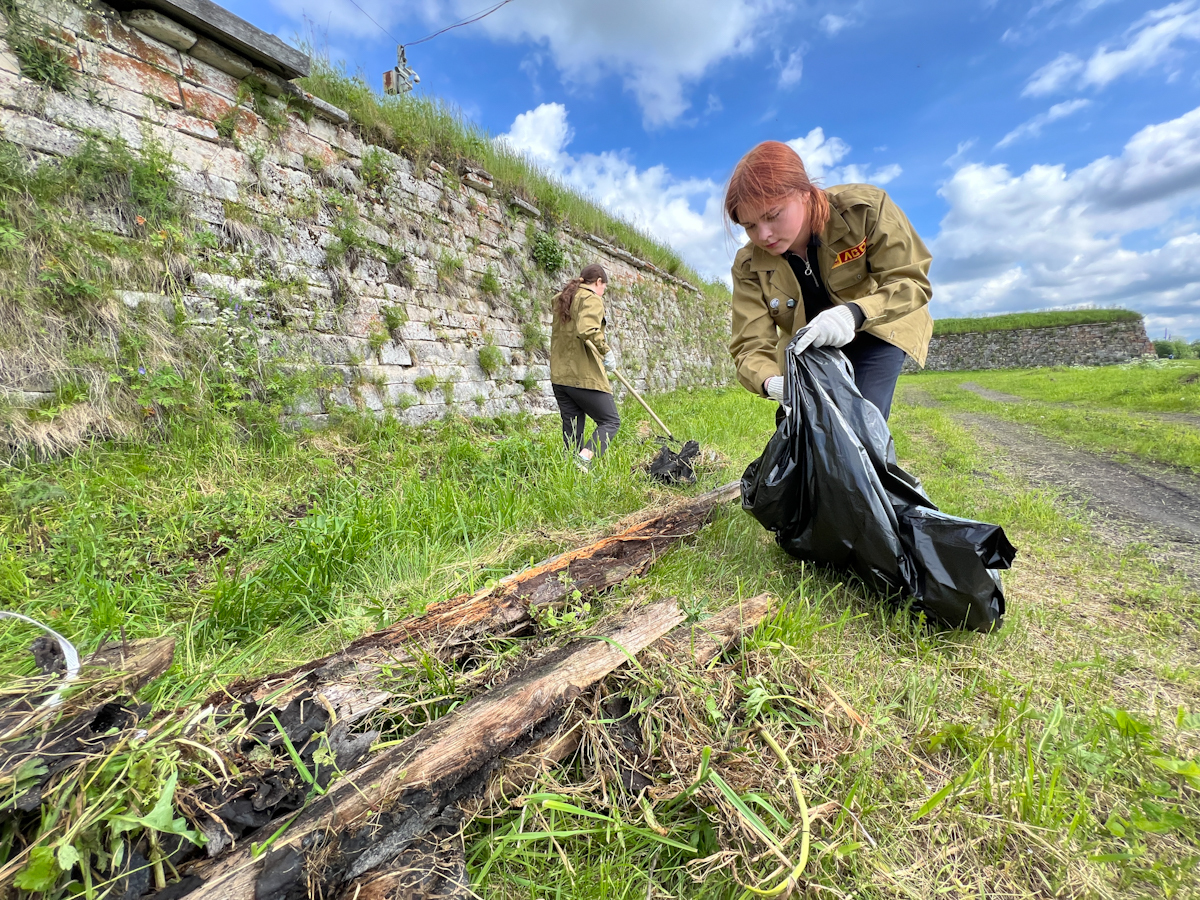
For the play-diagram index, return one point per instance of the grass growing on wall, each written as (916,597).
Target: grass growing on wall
(1044,319)
(426,128)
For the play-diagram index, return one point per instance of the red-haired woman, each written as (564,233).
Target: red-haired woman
(844,261)
(579,373)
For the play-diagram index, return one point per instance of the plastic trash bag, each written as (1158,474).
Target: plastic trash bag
(829,487)
(670,467)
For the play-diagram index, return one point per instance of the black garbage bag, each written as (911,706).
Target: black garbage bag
(670,467)
(829,487)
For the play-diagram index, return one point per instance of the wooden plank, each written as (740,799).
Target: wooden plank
(215,22)
(376,810)
(346,681)
(701,642)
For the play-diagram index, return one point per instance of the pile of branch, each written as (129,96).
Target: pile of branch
(382,826)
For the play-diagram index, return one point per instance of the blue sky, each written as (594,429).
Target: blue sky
(1047,150)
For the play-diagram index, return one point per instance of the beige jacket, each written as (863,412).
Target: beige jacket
(869,254)
(571,362)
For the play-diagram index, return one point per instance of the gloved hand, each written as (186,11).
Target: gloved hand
(610,361)
(774,386)
(833,327)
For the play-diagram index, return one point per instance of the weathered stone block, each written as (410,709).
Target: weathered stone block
(133,42)
(159,27)
(130,73)
(221,58)
(200,73)
(395,354)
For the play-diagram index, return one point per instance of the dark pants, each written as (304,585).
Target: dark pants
(574,405)
(877,367)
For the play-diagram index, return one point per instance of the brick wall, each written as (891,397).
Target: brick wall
(275,193)
(1101,344)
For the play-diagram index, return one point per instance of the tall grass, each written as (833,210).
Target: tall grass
(1041,319)
(426,128)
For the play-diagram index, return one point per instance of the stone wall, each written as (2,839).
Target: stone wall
(1100,344)
(395,276)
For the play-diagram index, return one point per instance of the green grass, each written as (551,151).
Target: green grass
(424,129)
(1051,759)
(1044,319)
(1108,408)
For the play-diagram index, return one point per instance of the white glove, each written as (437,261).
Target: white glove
(610,361)
(833,327)
(774,386)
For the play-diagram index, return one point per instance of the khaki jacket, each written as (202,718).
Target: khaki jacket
(571,362)
(869,254)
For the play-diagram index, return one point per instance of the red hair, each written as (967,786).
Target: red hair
(770,172)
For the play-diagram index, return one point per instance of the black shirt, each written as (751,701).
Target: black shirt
(816,298)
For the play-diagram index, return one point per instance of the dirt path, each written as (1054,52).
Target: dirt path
(1000,397)
(1131,503)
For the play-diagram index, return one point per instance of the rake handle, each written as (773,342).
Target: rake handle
(629,387)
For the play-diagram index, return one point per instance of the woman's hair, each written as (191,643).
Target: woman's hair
(590,274)
(770,172)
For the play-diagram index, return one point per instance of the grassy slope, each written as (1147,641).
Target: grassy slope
(1045,319)
(1025,763)
(1109,409)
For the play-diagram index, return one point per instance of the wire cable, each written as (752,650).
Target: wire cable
(373,22)
(475,17)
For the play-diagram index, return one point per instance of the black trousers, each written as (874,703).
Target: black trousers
(877,366)
(575,405)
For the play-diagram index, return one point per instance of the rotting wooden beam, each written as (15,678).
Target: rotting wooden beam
(375,811)
(701,642)
(346,681)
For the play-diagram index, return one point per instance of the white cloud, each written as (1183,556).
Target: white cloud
(821,156)
(832,24)
(1150,44)
(792,70)
(682,212)
(960,152)
(1053,76)
(1052,237)
(1034,126)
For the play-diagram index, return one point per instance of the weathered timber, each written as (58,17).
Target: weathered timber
(375,811)
(702,642)
(346,681)
(116,668)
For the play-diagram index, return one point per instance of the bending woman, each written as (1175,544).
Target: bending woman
(844,261)
(579,372)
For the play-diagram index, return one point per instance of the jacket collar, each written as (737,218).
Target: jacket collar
(835,229)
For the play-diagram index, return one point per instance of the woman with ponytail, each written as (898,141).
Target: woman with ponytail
(580,360)
(843,261)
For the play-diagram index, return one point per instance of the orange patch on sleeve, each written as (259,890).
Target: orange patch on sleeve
(852,254)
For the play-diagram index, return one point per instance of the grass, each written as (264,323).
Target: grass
(1111,409)
(1043,319)
(424,129)
(1052,759)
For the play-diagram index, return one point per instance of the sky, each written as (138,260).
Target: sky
(1048,151)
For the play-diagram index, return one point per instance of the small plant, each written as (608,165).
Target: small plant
(448,391)
(37,55)
(375,170)
(378,337)
(314,164)
(448,266)
(533,338)
(491,359)
(480,400)
(394,317)
(425,383)
(227,123)
(547,253)
(490,284)
(529,383)
(400,270)
(406,401)
(348,244)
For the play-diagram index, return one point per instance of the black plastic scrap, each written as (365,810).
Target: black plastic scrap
(670,467)
(829,487)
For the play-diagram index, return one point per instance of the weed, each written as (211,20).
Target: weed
(448,391)
(314,164)
(448,266)
(378,337)
(425,383)
(491,359)
(533,337)
(489,283)
(400,269)
(376,170)
(394,317)
(547,253)
(406,401)
(529,383)
(479,400)
(38,55)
